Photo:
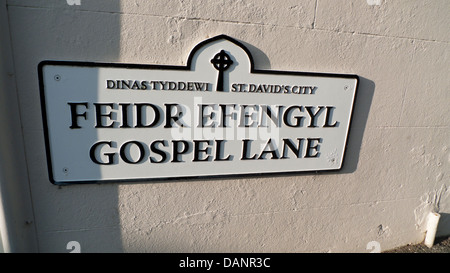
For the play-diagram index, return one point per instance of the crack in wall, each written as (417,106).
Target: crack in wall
(313,25)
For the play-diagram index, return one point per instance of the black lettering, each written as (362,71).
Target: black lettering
(225,114)
(199,86)
(93,152)
(126,156)
(219,151)
(154,148)
(139,114)
(125,115)
(208,117)
(328,117)
(245,116)
(313,115)
(176,149)
(277,89)
(198,150)
(181,86)
(164,85)
(287,115)
(110,84)
(172,85)
(136,85)
(259,88)
(144,85)
(296,149)
(246,149)
(170,119)
(275,118)
(99,115)
(272,150)
(310,148)
(74,114)
(127,84)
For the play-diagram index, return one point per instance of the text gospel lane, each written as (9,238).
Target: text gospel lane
(159,151)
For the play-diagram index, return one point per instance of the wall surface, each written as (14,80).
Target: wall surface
(397,165)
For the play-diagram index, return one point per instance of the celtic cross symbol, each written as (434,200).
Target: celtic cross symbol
(221,61)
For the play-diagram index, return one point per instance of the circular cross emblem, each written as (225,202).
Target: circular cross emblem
(221,61)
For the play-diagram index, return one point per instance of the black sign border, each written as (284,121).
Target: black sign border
(186,67)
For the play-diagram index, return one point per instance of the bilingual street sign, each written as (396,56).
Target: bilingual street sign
(216,116)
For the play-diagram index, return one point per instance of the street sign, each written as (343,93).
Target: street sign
(216,116)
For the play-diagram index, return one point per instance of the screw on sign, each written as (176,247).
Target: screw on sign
(221,61)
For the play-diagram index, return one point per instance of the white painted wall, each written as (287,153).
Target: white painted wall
(397,165)
(17,229)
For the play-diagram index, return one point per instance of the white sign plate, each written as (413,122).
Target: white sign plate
(215,116)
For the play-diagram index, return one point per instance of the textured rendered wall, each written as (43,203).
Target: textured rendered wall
(398,158)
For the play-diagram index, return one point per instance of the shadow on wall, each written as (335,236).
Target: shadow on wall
(260,58)
(443,228)
(360,115)
(90,214)
(67,31)
(98,208)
